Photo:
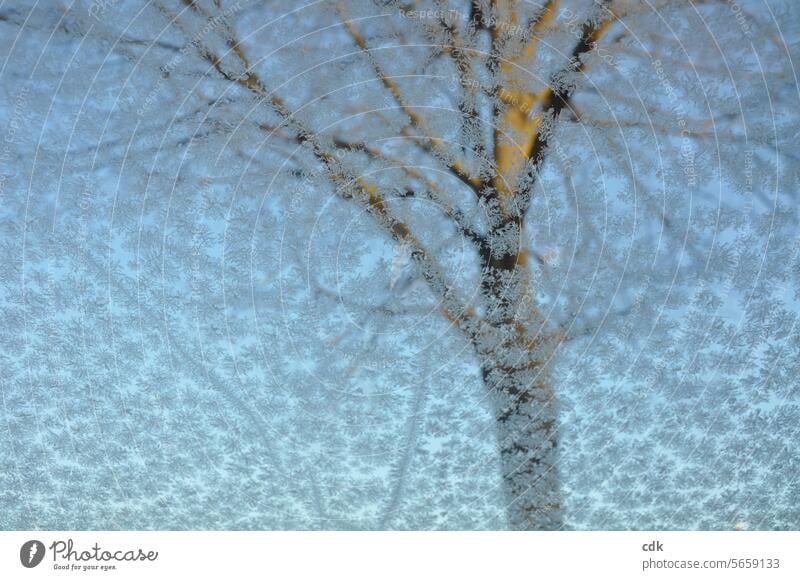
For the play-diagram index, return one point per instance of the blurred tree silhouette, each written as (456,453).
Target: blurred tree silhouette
(588,205)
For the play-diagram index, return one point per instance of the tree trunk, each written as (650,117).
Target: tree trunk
(514,350)
(525,411)
(514,356)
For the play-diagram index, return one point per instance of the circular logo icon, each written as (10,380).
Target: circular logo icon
(31,553)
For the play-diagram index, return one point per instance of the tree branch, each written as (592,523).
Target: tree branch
(436,194)
(556,98)
(430,144)
(358,189)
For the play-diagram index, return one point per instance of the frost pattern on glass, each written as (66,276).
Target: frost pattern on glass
(380,265)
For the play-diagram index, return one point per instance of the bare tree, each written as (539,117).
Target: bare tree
(546,175)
